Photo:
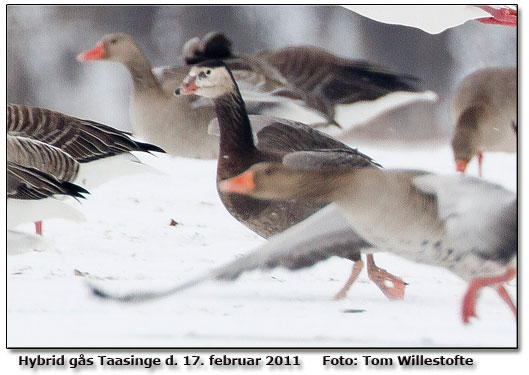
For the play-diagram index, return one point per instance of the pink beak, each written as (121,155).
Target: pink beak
(96,53)
(189,86)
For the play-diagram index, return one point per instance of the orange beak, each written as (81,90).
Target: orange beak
(96,53)
(461,166)
(189,86)
(241,184)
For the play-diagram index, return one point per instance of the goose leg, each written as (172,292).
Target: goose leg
(505,296)
(480,164)
(379,276)
(38,227)
(357,267)
(469,301)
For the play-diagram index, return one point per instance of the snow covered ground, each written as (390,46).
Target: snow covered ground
(127,244)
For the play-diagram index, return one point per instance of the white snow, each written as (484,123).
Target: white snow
(127,244)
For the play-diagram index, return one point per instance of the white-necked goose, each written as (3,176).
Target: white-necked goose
(484,110)
(423,217)
(70,149)
(435,19)
(274,140)
(325,86)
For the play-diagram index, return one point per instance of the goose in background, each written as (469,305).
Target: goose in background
(82,152)
(247,140)
(271,83)
(329,89)
(435,19)
(485,114)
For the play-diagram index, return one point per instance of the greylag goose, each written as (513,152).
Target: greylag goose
(274,140)
(83,152)
(420,216)
(423,217)
(177,124)
(326,86)
(435,19)
(30,194)
(484,110)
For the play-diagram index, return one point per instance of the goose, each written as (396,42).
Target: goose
(83,152)
(329,89)
(417,215)
(435,19)
(420,216)
(271,84)
(177,124)
(31,196)
(245,141)
(484,110)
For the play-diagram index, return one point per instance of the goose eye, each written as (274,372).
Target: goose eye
(267,172)
(201,75)
(113,41)
(208,72)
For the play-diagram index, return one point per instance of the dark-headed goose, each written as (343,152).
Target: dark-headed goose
(245,141)
(423,217)
(70,149)
(177,124)
(325,87)
(484,110)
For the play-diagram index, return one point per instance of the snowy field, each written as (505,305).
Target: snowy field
(127,244)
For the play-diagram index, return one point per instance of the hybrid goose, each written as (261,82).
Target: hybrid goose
(70,149)
(484,110)
(245,141)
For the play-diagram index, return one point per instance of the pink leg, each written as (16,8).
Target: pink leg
(38,227)
(469,301)
(380,276)
(357,267)
(480,164)
(505,296)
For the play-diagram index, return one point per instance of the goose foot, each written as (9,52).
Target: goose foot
(379,276)
(469,301)
(357,267)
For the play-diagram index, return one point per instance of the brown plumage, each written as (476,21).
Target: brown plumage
(484,110)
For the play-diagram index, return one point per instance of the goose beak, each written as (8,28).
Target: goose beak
(241,184)
(189,86)
(96,53)
(461,166)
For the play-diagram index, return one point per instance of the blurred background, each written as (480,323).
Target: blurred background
(43,42)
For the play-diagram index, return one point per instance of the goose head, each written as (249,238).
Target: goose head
(118,47)
(211,79)
(278,182)
(464,147)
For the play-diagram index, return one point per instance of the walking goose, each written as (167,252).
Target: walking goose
(274,140)
(420,216)
(484,110)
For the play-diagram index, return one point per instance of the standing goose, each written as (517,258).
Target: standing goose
(70,149)
(274,140)
(326,86)
(484,110)
(423,217)
(177,124)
